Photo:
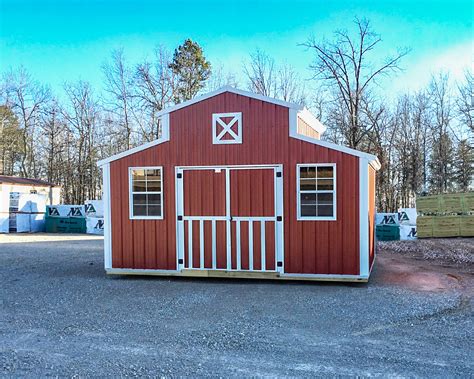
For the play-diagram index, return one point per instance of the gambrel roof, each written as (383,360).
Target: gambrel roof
(295,111)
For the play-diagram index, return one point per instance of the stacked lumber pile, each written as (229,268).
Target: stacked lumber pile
(448,215)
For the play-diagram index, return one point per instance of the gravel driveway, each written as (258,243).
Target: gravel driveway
(61,315)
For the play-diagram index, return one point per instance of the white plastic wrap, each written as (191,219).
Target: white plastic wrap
(94,208)
(407,216)
(386,219)
(23,223)
(37,223)
(95,225)
(65,211)
(407,232)
(4,222)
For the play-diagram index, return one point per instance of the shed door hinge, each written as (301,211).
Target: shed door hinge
(278,174)
(180,218)
(179,175)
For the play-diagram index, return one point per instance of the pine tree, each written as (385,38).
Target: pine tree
(191,68)
(10,140)
(442,164)
(464,170)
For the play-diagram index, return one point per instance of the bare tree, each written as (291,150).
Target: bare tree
(465,100)
(155,89)
(81,114)
(118,85)
(27,99)
(344,65)
(261,74)
(220,78)
(441,106)
(290,87)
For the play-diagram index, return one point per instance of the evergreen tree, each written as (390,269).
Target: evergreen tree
(10,140)
(442,164)
(464,170)
(191,68)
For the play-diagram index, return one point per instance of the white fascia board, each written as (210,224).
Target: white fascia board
(311,120)
(165,137)
(293,126)
(230,89)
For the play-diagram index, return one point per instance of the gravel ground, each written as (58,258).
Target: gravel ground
(60,315)
(454,250)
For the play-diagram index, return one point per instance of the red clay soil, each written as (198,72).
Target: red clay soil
(427,265)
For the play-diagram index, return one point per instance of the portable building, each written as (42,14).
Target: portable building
(240,185)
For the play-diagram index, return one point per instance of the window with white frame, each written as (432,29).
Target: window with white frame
(316,191)
(226,128)
(146,192)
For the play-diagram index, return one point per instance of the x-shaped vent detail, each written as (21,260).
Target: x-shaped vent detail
(230,132)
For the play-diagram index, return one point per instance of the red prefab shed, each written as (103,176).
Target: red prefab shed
(240,185)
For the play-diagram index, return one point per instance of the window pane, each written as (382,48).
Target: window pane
(139,186)
(139,210)
(154,199)
(325,198)
(325,184)
(154,210)
(308,210)
(325,210)
(153,174)
(308,198)
(139,199)
(325,172)
(308,185)
(308,172)
(153,186)
(138,174)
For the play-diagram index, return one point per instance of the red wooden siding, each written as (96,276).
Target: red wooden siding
(323,247)
(371,215)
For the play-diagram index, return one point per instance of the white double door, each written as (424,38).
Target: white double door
(230,218)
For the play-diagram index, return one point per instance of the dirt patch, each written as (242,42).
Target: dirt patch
(428,265)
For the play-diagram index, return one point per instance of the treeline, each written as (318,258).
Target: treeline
(422,139)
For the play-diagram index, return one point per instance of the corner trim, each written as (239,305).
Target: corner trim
(107,217)
(364,217)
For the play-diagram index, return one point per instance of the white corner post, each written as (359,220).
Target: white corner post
(364,217)
(107,217)
(293,122)
(279,227)
(179,219)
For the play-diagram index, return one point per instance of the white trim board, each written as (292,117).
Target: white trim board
(107,217)
(270,275)
(364,217)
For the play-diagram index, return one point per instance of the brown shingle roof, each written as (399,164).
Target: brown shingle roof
(25,181)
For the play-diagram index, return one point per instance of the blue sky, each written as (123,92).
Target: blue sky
(61,41)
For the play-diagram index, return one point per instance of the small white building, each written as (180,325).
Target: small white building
(23,202)
(9,184)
